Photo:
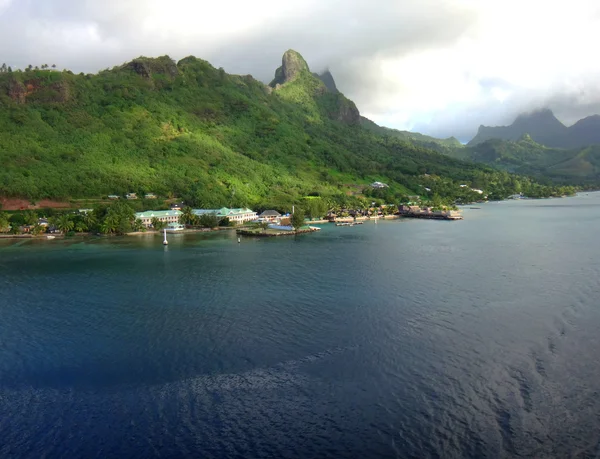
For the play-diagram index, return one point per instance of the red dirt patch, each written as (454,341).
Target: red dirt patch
(24,204)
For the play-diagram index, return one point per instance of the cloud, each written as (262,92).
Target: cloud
(439,66)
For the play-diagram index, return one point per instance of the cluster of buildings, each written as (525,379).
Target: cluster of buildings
(428,212)
(237,216)
(131,196)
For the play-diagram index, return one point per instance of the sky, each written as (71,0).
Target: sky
(440,67)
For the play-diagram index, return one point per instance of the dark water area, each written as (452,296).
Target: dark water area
(411,339)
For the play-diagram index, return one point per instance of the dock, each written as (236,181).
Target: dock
(428,213)
(276,233)
(348,223)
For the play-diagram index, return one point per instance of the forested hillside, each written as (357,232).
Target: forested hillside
(188,129)
(580,166)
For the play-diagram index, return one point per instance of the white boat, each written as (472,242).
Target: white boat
(50,237)
(174,228)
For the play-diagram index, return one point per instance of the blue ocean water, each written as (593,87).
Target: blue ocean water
(411,338)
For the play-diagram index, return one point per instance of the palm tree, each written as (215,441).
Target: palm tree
(138,225)
(81,227)
(37,229)
(90,221)
(158,224)
(110,224)
(187,216)
(64,223)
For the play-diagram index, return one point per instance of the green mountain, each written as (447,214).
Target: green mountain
(441,145)
(527,157)
(188,129)
(546,129)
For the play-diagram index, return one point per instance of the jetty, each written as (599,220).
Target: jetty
(348,223)
(429,213)
(276,233)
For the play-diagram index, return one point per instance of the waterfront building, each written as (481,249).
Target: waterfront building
(270,216)
(131,196)
(167,216)
(237,216)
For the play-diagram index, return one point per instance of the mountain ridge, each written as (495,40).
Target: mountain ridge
(544,128)
(191,130)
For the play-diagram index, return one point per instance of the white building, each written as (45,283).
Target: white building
(237,216)
(378,185)
(167,216)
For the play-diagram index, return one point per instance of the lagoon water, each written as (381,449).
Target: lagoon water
(412,338)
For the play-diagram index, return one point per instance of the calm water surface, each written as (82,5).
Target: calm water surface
(413,338)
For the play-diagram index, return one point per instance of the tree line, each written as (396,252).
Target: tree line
(7,69)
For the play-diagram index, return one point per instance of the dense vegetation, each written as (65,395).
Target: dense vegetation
(580,166)
(543,127)
(116,218)
(193,131)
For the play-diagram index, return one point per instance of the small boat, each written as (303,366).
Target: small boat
(174,228)
(50,237)
(165,242)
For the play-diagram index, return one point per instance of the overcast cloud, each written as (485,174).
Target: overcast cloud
(440,67)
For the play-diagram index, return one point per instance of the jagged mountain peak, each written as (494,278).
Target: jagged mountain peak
(327,78)
(292,65)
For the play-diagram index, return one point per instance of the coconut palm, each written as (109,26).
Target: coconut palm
(90,220)
(64,223)
(187,216)
(110,224)
(158,224)
(80,226)
(138,225)
(37,229)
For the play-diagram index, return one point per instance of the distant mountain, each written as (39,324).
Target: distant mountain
(585,132)
(527,157)
(541,125)
(544,128)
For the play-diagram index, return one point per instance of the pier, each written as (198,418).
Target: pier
(276,233)
(428,213)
